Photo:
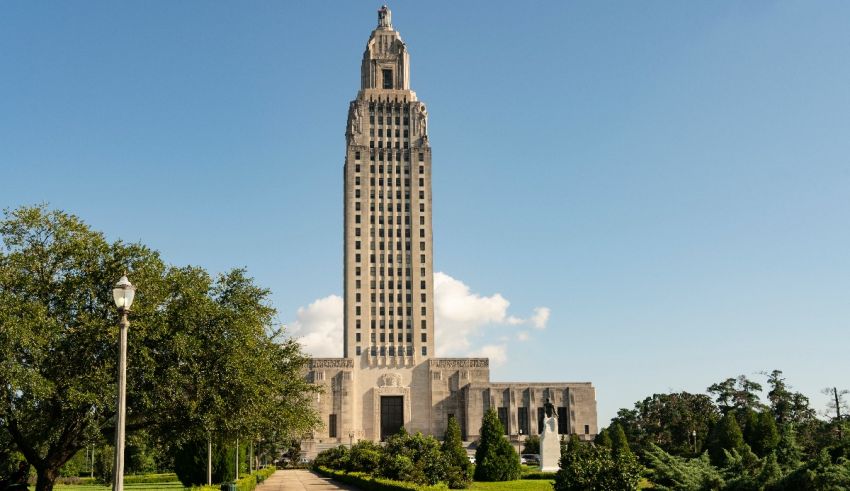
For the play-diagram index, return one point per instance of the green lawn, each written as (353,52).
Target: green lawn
(168,486)
(518,485)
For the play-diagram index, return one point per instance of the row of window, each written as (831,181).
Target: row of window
(389,107)
(384,323)
(388,259)
(390,170)
(373,270)
(390,133)
(373,337)
(389,245)
(389,221)
(389,182)
(381,296)
(384,310)
(389,271)
(523,421)
(379,155)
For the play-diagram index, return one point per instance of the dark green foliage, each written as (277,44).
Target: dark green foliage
(458,469)
(726,436)
(332,458)
(364,456)
(202,353)
(603,439)
(821,473)
(586,467)
(667,420)
(761,433)
(668,472)
(531,444)
(787,407)
(740,394)
(414,458)
(619,444)
(495,457)
(190,462)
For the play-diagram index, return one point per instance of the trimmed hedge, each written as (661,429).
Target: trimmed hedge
(366,482)
(247,483)
(149,478)
(539,475)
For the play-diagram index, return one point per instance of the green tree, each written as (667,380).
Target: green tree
(202,355)
(495,457)
(740,393)
(787,406)
(586,467)
(726,436)
(668,421)
(531,444)
(762,435)
(458,473)
(668,472)
(604,439)
(619,445)
(414,458)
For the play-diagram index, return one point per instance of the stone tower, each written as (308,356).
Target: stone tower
(389,318)
(389,376)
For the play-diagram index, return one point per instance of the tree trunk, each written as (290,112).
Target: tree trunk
(46,477)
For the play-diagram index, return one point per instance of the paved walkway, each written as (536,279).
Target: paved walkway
(299,480)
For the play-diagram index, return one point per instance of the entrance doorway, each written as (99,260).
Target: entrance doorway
(392,415)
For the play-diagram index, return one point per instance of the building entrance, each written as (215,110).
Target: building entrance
(392,415)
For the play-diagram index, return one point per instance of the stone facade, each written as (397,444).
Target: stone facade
(388,375)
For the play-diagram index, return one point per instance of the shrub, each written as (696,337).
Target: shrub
(586,467)
(415,458)
(458,468)
(495,457)
(364,457)
(332,458)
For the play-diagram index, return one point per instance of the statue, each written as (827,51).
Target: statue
(550,443)
(385,17)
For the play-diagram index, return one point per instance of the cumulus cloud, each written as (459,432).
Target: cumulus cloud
(540,317)
(319,327)
(497,353)
(466,323)
(462,318)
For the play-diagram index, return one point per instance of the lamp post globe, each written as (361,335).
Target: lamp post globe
(123,294)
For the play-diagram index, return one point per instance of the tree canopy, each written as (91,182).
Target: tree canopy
(203,356)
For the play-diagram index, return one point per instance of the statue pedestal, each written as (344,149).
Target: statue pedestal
(550,446)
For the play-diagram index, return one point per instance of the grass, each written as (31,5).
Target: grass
(167,486)
(518,485)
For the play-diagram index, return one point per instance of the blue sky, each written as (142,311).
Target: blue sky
(670,179)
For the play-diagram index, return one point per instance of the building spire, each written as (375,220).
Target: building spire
(385,18)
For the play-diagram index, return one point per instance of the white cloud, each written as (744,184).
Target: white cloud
(319,327)
(466,323)
(540,317)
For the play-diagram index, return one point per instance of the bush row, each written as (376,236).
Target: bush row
(150,478)
(550,476)
(365,482)
(247,483)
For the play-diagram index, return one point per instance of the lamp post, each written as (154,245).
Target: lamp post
(123,294)
(694,434)
(350,439)
(519,444)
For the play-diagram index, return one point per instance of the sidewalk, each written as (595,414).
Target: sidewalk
(299,480)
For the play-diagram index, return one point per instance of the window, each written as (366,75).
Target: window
(372,336)
(421,157)
(563,422)
(541,414)
(424,337)
(425,353)
(388,78)
(357,244)
(332,425)
(421,181)
(357,337)
(357,352)
(586,429)
(424,324)
(522,419)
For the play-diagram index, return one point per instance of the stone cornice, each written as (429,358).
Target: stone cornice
(459,362)
(331,363)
